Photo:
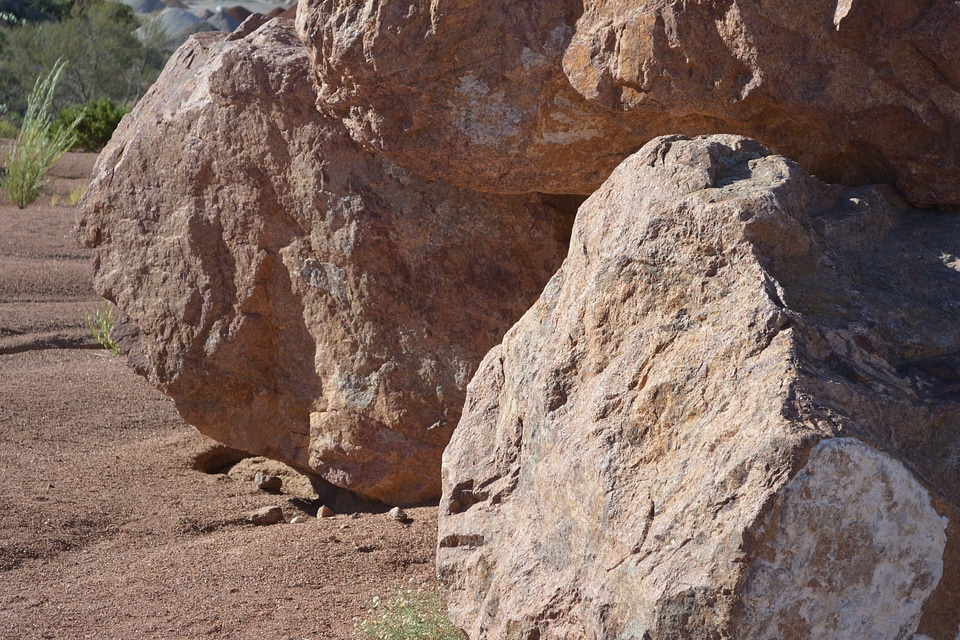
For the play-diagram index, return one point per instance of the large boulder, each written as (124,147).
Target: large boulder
(173,25)
(854,91)
(734,412)
(550,96)
(295,295)
(470,91)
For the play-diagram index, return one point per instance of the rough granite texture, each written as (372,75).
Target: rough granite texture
(734,412)
(470,92)
(298,297)
(551,96)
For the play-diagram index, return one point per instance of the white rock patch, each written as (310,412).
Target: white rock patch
(852,550)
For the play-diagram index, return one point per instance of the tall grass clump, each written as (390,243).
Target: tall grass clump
(409,615)
(38,146)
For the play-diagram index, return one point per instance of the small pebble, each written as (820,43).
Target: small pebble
(325,512)
(299,519)
(398,514)
(265,516)
(266,482)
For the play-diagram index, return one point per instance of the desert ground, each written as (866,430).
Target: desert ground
(119,520)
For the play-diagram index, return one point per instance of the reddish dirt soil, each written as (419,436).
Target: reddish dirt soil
(119,520)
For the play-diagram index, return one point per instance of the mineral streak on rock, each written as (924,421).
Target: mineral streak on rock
(550,96)
(734,412)
(298,297)
(852,550)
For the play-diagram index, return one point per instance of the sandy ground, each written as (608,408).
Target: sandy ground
(117,519)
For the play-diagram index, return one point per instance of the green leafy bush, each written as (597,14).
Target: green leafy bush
(37,148)
(7,128)
(409,615)
(95,122)
(98,38)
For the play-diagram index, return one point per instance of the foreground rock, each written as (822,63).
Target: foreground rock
(550,96)
(265,516)
(266,482)
(734,412)
(298,297)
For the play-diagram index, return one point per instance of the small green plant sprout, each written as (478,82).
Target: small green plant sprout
(75,195)
(72,199)
(38,146)
(408,615)
(101,325)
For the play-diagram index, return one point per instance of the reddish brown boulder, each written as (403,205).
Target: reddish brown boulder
(854,91)
(469,92)
(550,96)
(734,412)
(298,297)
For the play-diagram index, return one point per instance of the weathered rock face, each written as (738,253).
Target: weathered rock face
(733,413)
(298,297)
(855,91)
(470,92)
(550,96)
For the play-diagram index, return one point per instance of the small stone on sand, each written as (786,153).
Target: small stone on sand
(265,516)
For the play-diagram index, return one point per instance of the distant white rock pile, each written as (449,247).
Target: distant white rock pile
(171,22)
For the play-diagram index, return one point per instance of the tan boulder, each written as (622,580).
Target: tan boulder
(734,412)
(550,96)
(298,297)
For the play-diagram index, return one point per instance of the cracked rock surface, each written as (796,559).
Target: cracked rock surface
(733,412)
(550,96)
(297,296)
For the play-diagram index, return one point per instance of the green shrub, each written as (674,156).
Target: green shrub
(7,128)
(37,148)
(96,122)
(409,615)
